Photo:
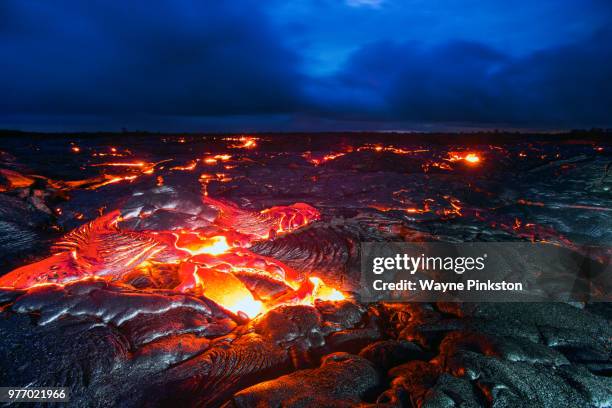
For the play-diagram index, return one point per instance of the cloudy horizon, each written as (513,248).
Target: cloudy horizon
(305,65)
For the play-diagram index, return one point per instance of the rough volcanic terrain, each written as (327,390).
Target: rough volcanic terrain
(222,270)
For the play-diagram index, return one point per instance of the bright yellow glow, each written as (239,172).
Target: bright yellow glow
(246,305)
(324,292)
(472,158)
(218,246)
(247,143)
(212,246)
(228,291)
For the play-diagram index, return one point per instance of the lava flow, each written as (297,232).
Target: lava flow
(470,158)
(215,271)
(214,262)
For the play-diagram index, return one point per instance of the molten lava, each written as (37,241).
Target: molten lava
(244,142)
(323,292)
(320,159)
(213,262)
(469,158)
(228,291)
(472,158)
(216,245)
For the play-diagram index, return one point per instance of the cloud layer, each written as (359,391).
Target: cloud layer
(468,82)
(174,58)
(183,65)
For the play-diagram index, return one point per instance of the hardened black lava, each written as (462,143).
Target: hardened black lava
(133,339)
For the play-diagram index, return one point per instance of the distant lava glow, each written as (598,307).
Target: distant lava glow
(248,143)
(243,142)
(472,158)
(469,158)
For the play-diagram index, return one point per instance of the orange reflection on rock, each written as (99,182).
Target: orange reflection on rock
(12,179)
(291,217)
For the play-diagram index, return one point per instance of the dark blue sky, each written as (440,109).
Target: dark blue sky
(174,65)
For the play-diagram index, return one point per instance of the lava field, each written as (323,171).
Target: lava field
(223,270)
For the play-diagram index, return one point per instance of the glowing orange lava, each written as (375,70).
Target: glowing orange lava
(246,142)
(318,160)
(472,158)
(15,179)
(323,292)
(249,143)
(188,167)
(469,158)
(195,246)
(390,149)
(213,262)
(228,291)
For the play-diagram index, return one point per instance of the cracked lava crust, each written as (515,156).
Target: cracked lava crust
(223,270)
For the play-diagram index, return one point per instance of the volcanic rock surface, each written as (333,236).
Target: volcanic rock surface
(142,337)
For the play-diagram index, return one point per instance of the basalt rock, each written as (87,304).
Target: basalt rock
(342,380)
(299,209)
